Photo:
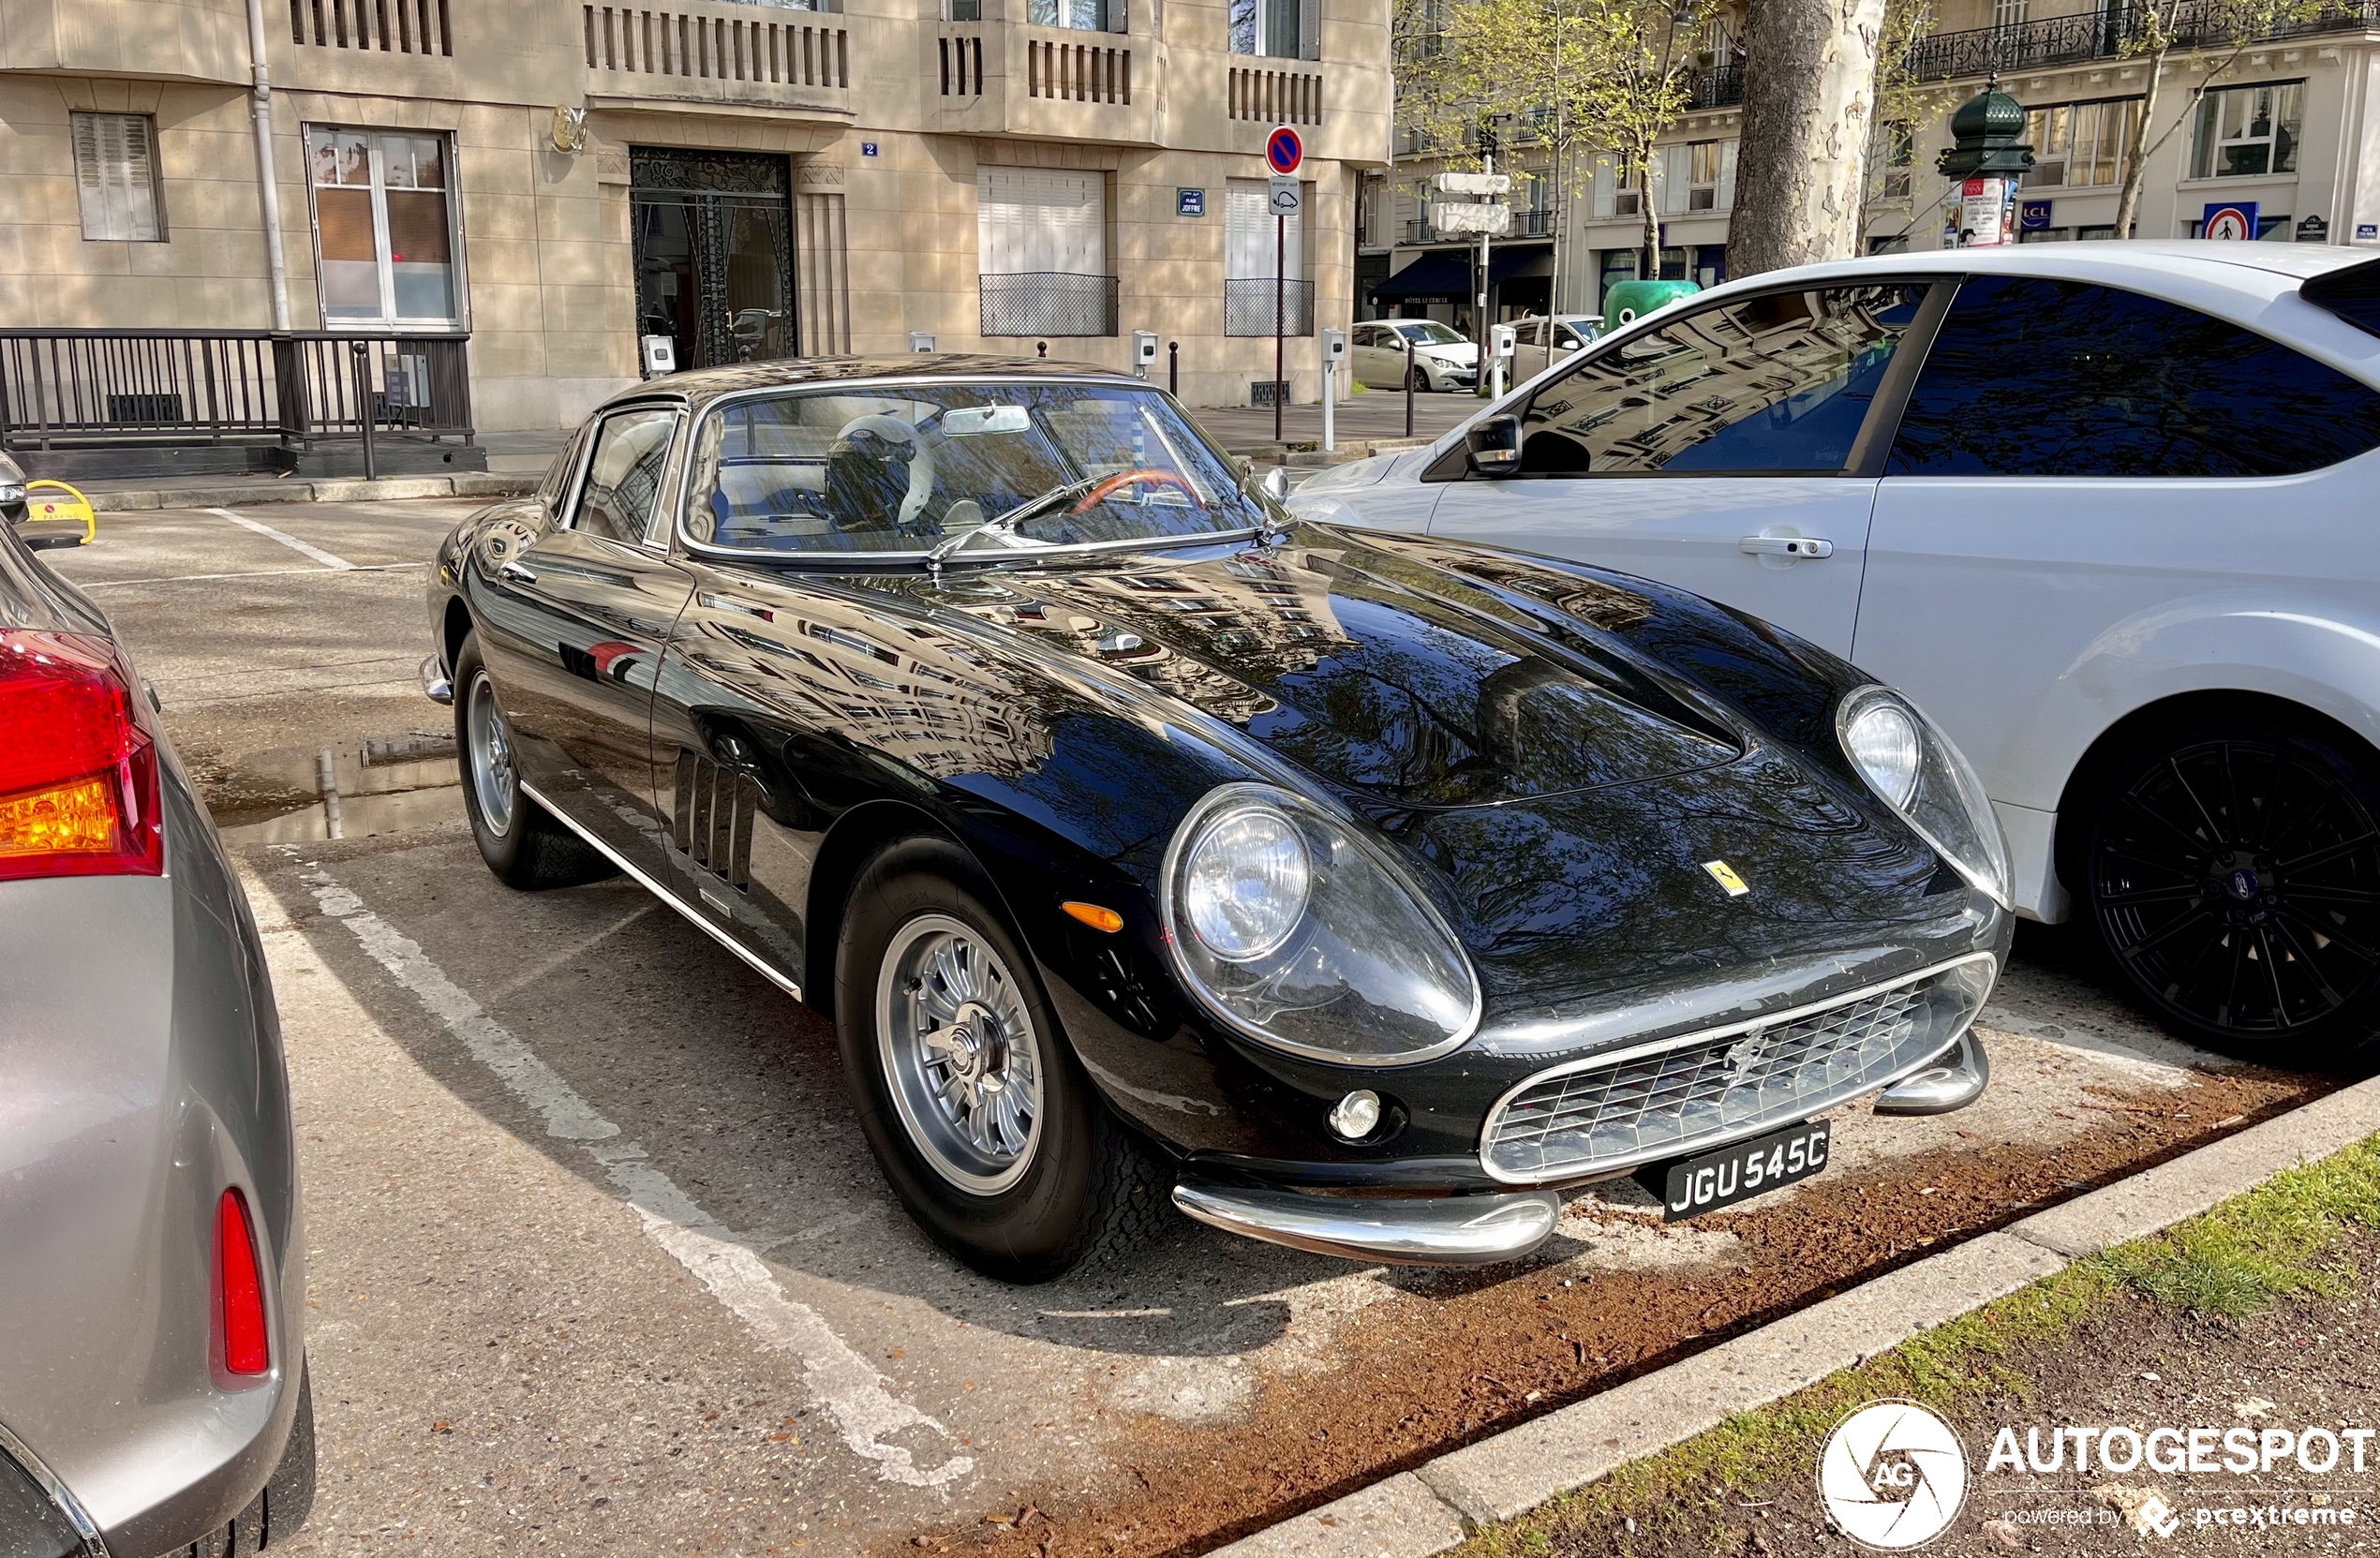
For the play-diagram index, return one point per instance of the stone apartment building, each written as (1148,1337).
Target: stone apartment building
(557,179)
(2291,130)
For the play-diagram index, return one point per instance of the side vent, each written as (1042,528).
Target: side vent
(712,821)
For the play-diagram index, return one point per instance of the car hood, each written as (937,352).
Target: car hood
(1373,667)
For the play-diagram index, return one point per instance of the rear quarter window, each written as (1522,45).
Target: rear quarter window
(2035,377)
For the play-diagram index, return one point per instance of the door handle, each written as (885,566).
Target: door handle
(1786,547)
(518,573)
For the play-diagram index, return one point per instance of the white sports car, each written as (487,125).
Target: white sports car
(2104,510)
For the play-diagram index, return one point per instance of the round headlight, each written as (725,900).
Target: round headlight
(1244,887)
(1882,742)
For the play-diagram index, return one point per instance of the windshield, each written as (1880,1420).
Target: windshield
(960,470)
(1429,332)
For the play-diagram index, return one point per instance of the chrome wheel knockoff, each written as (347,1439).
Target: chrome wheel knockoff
(961,1056)
(490,754)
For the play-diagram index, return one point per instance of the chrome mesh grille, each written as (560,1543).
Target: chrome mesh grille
(1668,1102)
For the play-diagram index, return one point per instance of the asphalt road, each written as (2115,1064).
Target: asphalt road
(599,1263)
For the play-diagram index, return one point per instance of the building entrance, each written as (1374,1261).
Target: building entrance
(714,235)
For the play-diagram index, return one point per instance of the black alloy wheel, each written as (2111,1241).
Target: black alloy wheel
(2234,873)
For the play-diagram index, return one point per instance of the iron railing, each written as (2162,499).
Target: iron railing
(2104,35)
(1248,307)
(1715,86)
(97,388)
(1048,303)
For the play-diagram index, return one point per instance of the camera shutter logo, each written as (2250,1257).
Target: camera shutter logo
(1893,1475)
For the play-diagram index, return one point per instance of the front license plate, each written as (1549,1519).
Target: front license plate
(1692,1186)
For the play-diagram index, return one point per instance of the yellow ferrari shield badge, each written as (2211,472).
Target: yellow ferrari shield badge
(1724,875)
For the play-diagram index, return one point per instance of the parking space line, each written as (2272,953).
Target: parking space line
(253,573)
(325,558)
(839,1379)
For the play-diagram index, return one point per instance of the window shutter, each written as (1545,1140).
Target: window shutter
(1309,29)
(1674,179)
(116,176)
(1039,219)
(1606,187)
(1727,174)
(1118,17)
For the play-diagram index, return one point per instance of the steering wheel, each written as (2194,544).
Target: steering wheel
(1109,487)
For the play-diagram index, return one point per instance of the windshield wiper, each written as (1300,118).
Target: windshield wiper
(1001,524)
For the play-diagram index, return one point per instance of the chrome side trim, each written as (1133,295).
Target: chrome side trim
(1609,1167)
(1442,1230)
(94,1544)
(645,880)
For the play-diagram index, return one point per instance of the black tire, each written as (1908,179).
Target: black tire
(2233,873)
(526,848)
(1086,1187)
(1418,380)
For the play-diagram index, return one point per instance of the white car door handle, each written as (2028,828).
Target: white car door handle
(1786,547)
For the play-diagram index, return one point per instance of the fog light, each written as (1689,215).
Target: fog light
(1356,1116)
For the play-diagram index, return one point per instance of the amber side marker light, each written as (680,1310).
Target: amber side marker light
(1095,917)
(246,1346)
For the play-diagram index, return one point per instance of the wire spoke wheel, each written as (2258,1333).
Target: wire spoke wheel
(2238,883)
(490,754)
(961,1055)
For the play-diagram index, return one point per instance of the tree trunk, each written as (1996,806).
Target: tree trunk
(1652,266)
(1809,99)
(2128,204)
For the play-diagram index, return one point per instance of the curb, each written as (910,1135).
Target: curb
(342,490)
(1437,1506)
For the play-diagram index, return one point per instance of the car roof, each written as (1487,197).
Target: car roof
(700,387)
(2258,271)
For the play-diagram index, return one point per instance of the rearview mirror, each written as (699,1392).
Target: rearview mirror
(1275,483)
(1494,443)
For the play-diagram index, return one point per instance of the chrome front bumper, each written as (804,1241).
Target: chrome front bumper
(1445,1230)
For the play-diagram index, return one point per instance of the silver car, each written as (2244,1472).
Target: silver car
(153,1384)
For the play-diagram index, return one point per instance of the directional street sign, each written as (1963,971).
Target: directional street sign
(1494,220)
(1284,150)
(1282,195)
(1474,184)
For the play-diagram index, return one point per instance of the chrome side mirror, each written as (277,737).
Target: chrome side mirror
(1275,482)
(1494,444)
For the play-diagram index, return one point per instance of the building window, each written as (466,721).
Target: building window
(116,175)
(1041,237)
(1284,29)
(1699,175)
(2009,13)
(1896,156)
(2077,145)
(2248,131)
(384,227)
(1087,15)
(1251,248)
(1613,191)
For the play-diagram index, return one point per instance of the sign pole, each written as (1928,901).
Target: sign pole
(1480,326)
(1280,284)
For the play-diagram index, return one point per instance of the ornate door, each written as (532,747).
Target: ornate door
(714,237)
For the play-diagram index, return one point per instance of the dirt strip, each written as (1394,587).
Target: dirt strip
(1441,1358)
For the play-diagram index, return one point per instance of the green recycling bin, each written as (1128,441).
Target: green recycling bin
(1629,299)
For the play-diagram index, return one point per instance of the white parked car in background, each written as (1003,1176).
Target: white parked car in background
(1442,358)
(1539,342)
(2109,513)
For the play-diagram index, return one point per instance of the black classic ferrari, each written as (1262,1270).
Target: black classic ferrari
(1356,892)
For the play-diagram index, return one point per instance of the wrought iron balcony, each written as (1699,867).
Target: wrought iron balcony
(1716,86)
(2102,35)
(1048,303)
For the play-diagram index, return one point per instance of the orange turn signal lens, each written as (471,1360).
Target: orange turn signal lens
(71,819)
(1095,917)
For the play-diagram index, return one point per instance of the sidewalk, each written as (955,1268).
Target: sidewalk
(1376,417)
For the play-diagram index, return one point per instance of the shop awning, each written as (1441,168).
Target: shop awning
(1438,273)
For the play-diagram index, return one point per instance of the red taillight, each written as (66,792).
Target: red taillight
(78,766)
(239,1291)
